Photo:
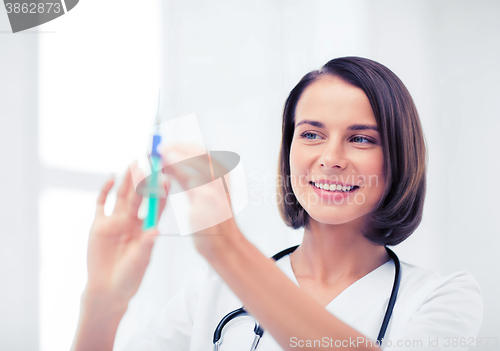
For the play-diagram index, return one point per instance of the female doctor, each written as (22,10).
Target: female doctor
(352,171)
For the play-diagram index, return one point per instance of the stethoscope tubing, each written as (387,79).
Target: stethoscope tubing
(259,332)
(394,295)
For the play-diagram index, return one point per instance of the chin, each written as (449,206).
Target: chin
(332,217)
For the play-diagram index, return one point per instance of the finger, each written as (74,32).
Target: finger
(190,164)
(163,201)
(217,167)
(188,149)
(205,164)
(101,199)
(134,200)
(180,175)
(147,241)
(192,172)
(150,235)
(189,154)
(230,203)
(121,196)
(200,162)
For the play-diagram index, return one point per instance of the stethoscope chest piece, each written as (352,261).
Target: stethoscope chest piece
(240,312)
(259,331)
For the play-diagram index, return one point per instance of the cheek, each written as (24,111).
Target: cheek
(294,159)
(374,170)
(378,167)
(296,167)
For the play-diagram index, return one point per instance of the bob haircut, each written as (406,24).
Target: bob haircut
(399,211)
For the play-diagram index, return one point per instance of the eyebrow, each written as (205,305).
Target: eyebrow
(353,127)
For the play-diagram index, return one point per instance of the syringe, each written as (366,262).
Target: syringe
(156,165)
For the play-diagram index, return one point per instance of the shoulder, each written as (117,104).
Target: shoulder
(422,282)
(449,305)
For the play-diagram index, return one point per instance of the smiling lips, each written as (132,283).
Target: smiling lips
(332,187)
(333,191)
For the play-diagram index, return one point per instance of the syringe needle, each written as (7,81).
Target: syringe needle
(158,119)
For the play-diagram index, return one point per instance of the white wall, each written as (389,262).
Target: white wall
(447,53)
(234,64)
(19,198)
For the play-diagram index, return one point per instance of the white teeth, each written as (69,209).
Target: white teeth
(333,187)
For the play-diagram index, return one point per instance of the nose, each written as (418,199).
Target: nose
(333,156)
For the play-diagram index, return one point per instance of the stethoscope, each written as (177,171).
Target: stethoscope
(259,331)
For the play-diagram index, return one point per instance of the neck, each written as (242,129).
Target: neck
(332,253)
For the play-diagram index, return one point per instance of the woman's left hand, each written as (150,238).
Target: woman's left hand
(210,215)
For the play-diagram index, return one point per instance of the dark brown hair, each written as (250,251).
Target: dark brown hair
(399,211)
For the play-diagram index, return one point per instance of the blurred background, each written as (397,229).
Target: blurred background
(78,97)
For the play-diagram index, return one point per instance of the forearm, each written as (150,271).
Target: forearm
(98,323)
(281,307)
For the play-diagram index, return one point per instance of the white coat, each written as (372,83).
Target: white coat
(430,311)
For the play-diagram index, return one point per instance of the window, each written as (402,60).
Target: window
(98,86)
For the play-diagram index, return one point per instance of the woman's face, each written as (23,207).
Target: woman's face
(336,142)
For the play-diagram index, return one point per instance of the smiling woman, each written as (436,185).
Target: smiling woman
(348,100)
(353,163)
(338,155)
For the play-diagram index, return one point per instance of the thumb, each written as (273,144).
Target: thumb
(148,237)
(146,243)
